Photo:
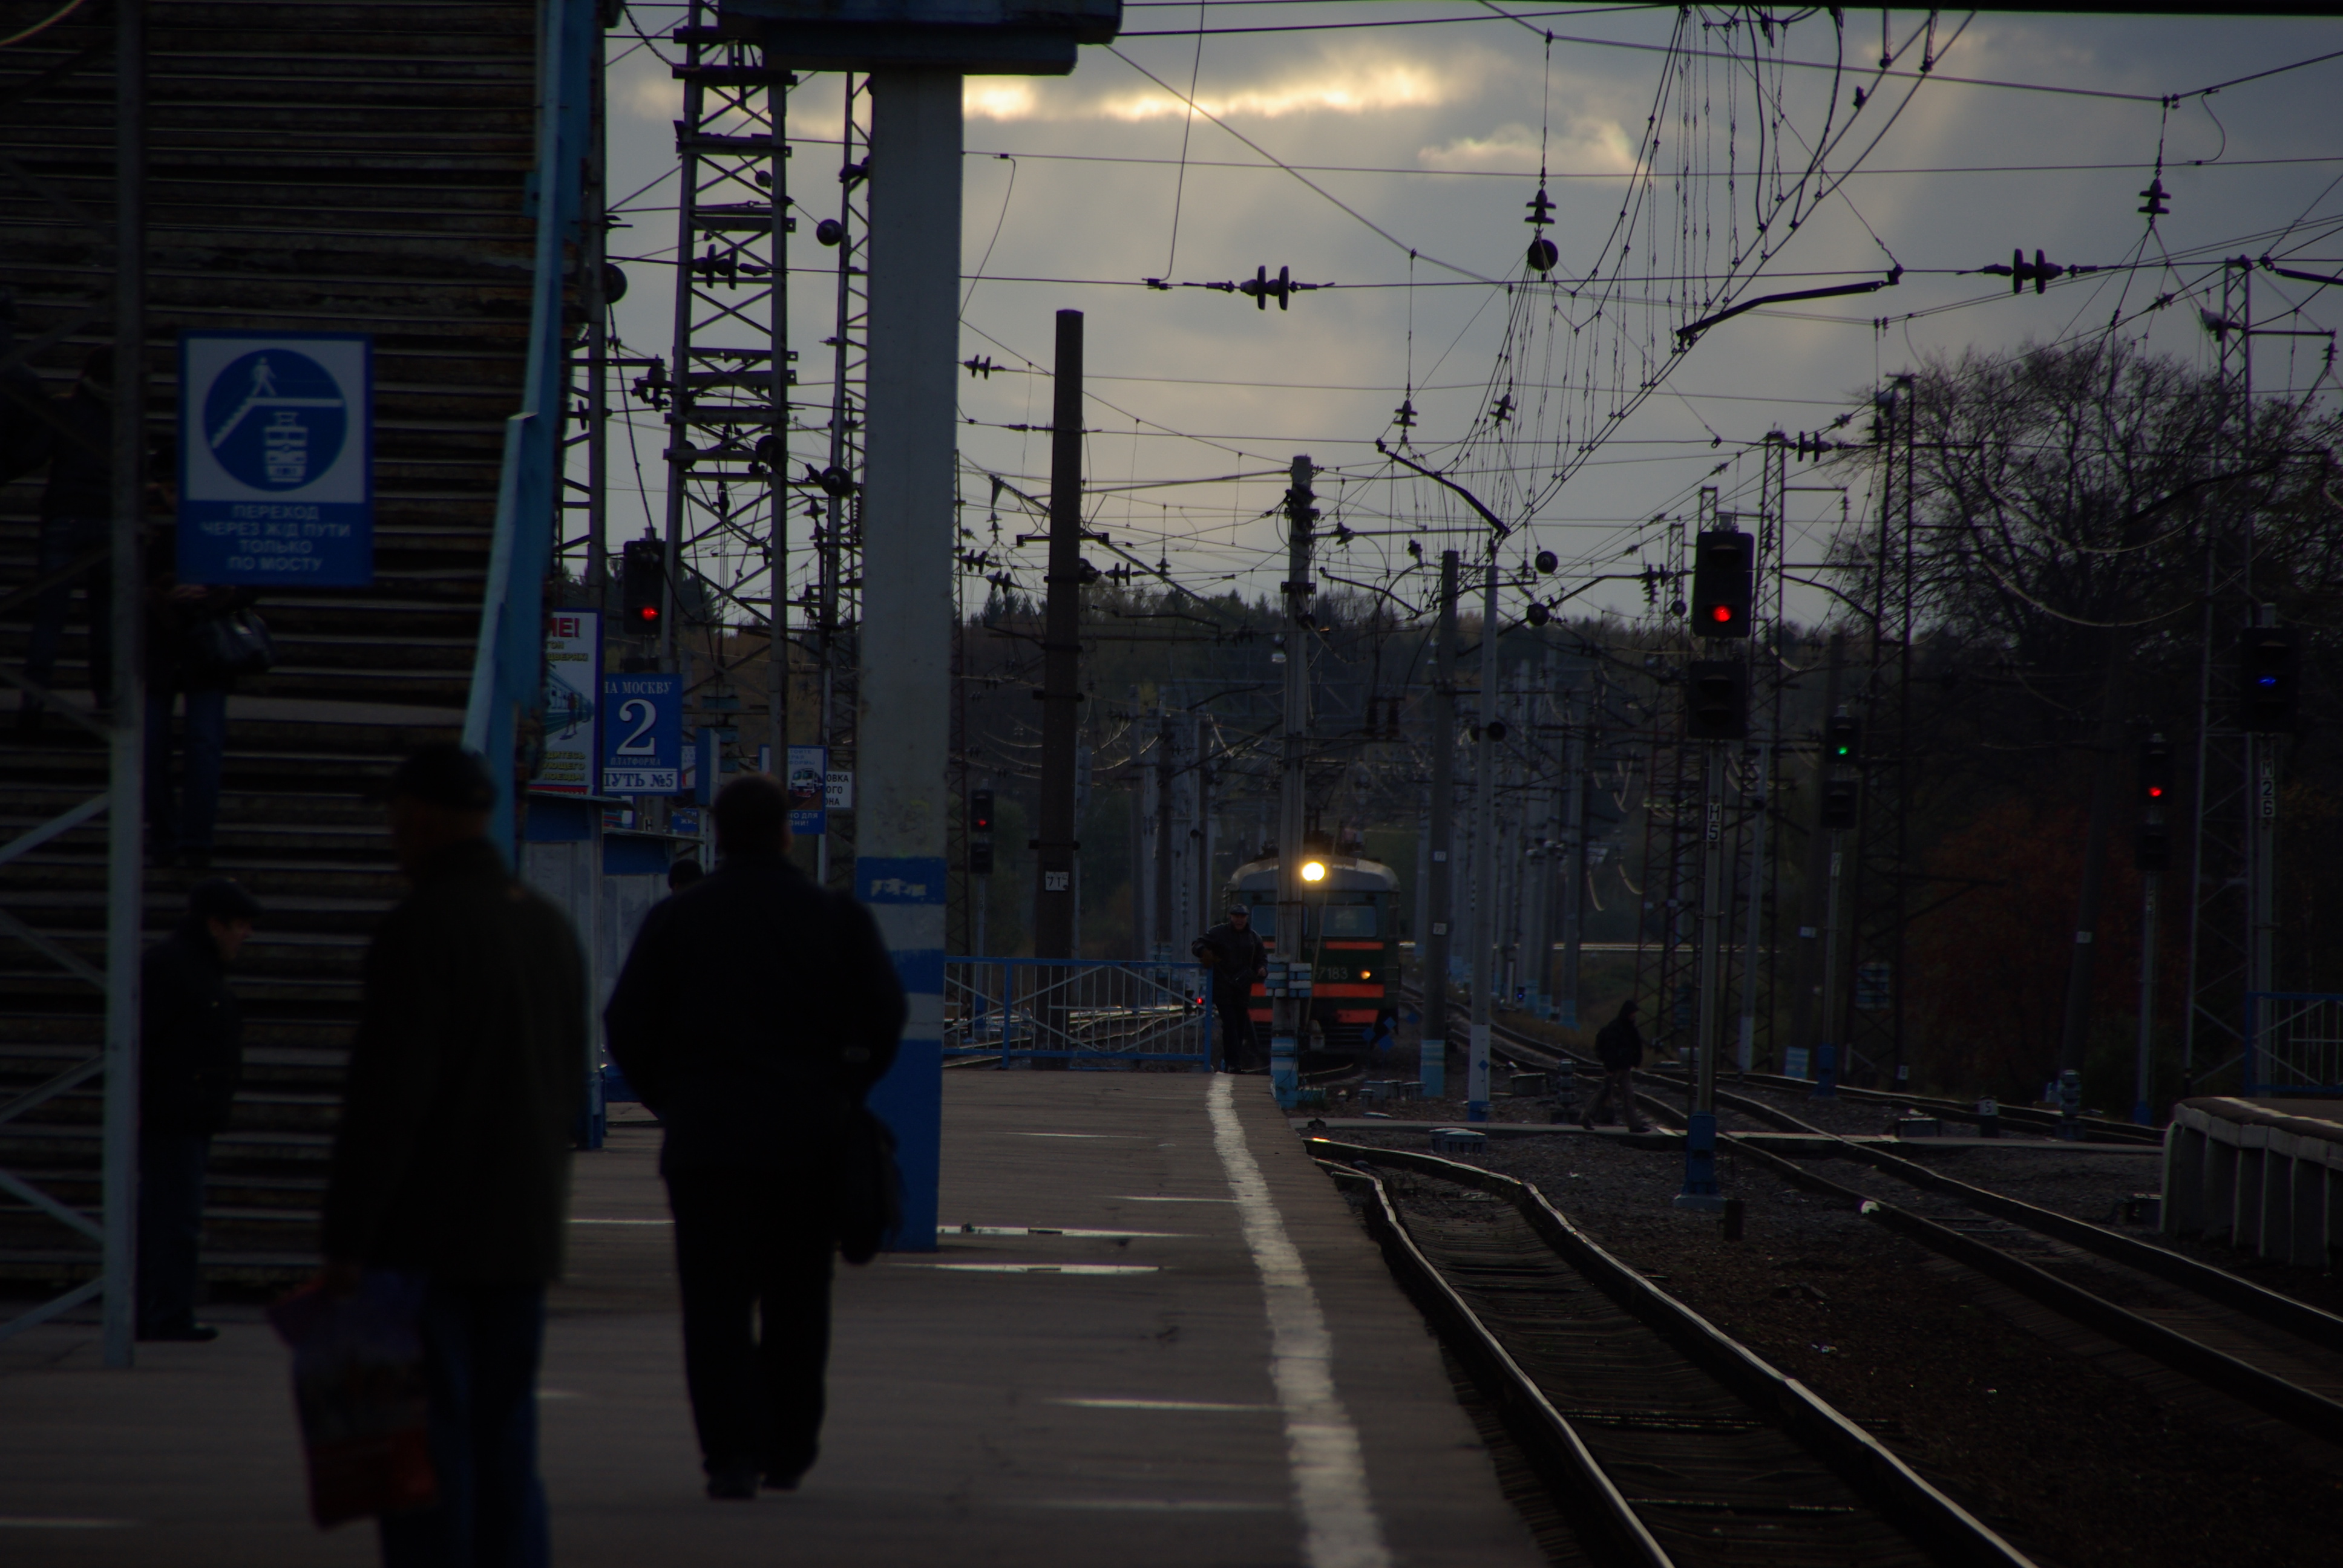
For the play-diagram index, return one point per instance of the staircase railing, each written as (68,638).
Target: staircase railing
(509,663)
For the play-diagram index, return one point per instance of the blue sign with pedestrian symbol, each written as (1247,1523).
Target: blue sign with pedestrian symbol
(642,734)
(276,458)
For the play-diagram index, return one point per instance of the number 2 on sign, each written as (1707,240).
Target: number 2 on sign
(631,711)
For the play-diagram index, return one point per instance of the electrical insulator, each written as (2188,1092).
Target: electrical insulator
(1547,561)
(1543,256)
(829,231)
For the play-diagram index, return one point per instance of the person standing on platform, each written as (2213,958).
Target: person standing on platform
(1238,959)
(190,1060)
(755,1011)
(452,1160)
(683,873)
(1619,1045)
(77,513)
(183,804)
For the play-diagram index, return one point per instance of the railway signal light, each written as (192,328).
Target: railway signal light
(1721,583)
(642,577)
(2267,678)
(2151,848)
(2155,770)
(1842,802)
(979,832)
(1716,699)
(1842,740)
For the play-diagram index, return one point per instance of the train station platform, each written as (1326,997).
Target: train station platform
(1156,1335)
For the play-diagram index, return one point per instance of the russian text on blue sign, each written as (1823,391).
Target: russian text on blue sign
(642,734)
(276,470)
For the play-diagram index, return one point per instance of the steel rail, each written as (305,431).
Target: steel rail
(2265,1391)
(1935,1523)
(1503,1376)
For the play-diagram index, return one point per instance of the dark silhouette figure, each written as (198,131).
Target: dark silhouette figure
(755,1011)
(1620,1046)
(1237,957)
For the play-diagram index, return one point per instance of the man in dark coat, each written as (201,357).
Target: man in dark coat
(1620,1046)
(452,1160)
(1237,957)
(77,512)
(755,1011)
(190,1059)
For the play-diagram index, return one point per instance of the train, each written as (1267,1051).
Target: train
(1349,935)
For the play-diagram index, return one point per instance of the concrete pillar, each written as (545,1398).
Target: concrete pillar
(2220,1185)
(2312,1191)
(2246,1200)
(2276,1236)
(905,731)
(2182,1211)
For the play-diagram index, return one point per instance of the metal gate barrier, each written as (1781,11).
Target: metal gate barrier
(1090,1014)
(2294,1043)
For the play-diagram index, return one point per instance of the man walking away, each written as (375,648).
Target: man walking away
(1237,957)
(1620,1046)
(190,1060)
(755,1011)
(452,1160)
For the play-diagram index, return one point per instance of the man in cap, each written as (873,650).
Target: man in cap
(452,1159)
(1237,957)
(755,1012)
(190,1059)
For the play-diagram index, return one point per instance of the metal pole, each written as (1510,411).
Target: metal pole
(1700,1127)
(1826,1048)
(594,239)
(2143,1103)
(679,453)
(1756,884)
(125,872)
(903,726)
(777,464)
(1485,841)
(1574,886)
(1432,1065)
(1290,1012)
(1062,648)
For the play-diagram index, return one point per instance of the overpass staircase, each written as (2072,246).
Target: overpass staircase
(313,166)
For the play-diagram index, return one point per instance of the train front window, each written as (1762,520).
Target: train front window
(1265,921)
(1349,922)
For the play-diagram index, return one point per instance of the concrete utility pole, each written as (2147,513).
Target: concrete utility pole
(1289,1011)
(1808,963)
(1433,943)
(2142,1103)
(1488,728)
(1754,927)
(1062,650)
(904,700)
(1166,874)
(1700,1127)
(1573,848)
(1826,1063)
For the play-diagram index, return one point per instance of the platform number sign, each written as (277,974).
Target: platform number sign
(642,734)
(275,470)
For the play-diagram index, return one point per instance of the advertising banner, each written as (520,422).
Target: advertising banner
(809,769)
(573,702)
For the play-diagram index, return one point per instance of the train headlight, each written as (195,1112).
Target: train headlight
(1314,871)
(1366,974)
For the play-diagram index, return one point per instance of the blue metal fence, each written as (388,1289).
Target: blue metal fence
(2294,1043)
(1090,1013)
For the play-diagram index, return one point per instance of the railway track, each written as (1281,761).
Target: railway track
(2280,1355)
(1673,1443)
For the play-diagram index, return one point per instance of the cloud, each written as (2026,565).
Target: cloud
(651,98)
(1346,82)
(1586,145)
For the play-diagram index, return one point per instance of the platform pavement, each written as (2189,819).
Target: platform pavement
(981,1414)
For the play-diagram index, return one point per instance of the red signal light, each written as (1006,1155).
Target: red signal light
(2156,792)
(649,613)
(1721,614)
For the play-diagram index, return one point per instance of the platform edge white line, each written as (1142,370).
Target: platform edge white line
(1339,1527)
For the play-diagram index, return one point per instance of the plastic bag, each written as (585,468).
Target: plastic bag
(358,1384)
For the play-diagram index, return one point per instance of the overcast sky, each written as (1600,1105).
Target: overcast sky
(1079,183)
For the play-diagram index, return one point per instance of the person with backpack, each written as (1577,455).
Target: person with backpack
(1620,1046)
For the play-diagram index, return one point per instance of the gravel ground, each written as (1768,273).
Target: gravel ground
(2077,1466)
